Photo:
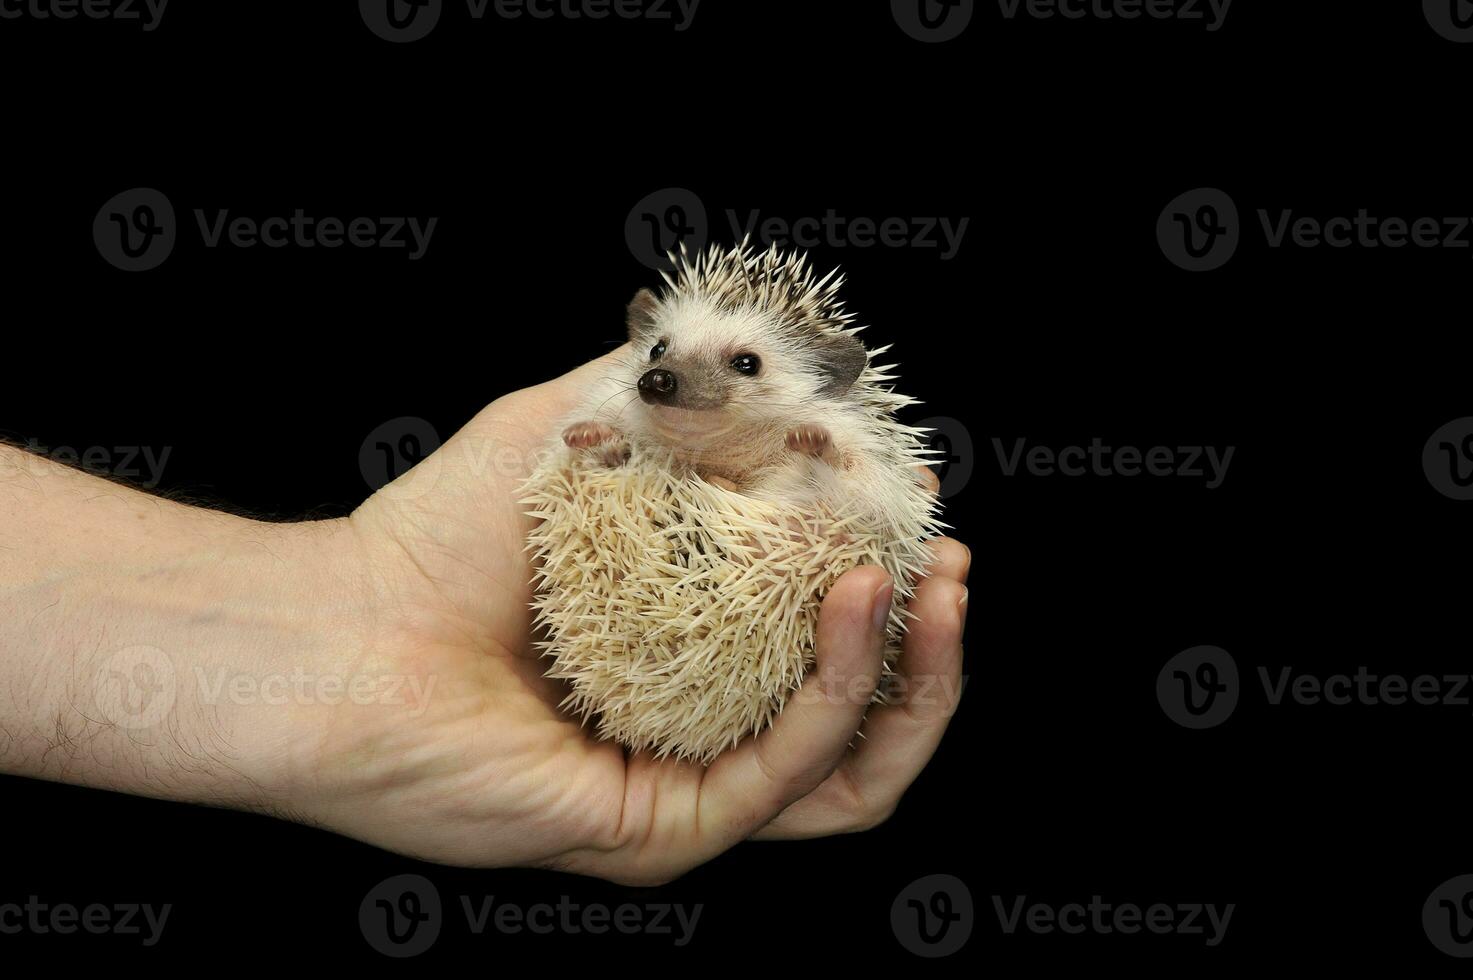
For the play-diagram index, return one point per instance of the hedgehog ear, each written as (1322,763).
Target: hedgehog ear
(640,315)
(842,359)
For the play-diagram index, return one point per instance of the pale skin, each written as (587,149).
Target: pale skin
(375,675)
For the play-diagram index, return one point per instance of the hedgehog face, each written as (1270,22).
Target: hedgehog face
(739,349)
(704,374)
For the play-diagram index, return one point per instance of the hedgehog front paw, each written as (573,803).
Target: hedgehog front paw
(586,435)
(602,441)
(810,440)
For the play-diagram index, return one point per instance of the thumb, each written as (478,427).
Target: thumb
(562,394)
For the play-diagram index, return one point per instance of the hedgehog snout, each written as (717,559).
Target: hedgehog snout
(657,387)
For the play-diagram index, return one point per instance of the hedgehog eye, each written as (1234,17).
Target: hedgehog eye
(657,350)
(746,363)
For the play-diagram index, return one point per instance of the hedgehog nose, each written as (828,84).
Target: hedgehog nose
(657,385)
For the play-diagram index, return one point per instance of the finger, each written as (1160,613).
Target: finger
(928,478)
(576,383)
(900,737)
(951,559)
(748,786)
(556,398)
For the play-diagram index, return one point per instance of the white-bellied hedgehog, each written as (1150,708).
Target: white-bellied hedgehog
(700,503)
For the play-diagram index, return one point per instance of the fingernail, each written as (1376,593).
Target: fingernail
(962,602)
(880,614)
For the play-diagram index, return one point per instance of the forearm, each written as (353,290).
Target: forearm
(149,647)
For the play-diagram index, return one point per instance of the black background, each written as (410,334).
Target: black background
(1058,321)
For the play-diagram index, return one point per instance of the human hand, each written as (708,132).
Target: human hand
(161,649)
(494,773)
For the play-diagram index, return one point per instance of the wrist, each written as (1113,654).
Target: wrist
(169,659)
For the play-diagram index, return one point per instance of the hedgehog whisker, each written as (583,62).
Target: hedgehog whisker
(621,391)
(634,398)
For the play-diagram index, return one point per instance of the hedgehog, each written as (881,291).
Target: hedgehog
(696,507)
